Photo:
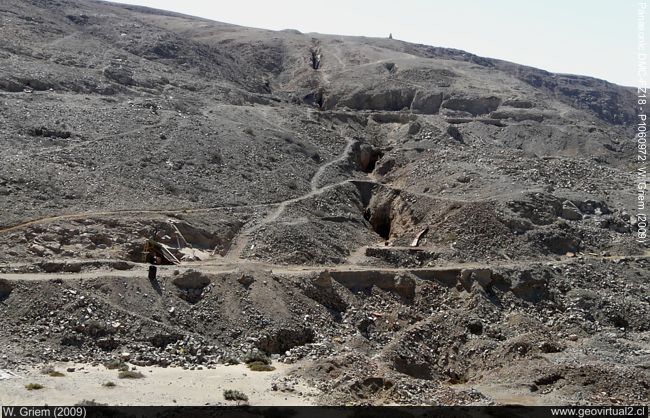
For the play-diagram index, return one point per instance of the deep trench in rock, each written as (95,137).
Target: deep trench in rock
(377,211)
(367,157)
(315,58)
(380,220)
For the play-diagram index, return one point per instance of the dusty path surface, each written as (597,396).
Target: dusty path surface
(160,386)
(236,248)
(239,242)
(226,266)
(321,170)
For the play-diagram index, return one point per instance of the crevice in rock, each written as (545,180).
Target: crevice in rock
(315,58)
(387,213)
(315,98)
(48,133)
(380,219)
(366,157)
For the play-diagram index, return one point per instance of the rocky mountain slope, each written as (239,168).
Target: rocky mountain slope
(474,214)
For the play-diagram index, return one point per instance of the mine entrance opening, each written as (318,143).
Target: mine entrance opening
(382,227)
(367,158)
(372,163)
(380,220)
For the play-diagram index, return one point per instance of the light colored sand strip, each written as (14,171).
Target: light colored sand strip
(160,386)
(6,374)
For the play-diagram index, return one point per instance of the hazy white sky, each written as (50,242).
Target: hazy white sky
(588,37)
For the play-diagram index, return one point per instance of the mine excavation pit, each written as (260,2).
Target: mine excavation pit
(191,285)
(387,213)
(183,241)
(367,157)
(380,220)
(315,57)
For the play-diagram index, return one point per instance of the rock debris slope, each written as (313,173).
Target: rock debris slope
(278,155)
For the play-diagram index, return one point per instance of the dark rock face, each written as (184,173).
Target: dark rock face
(390,99)
(10,86)
(6,288)
(427,103)
(608,102)
(475,106)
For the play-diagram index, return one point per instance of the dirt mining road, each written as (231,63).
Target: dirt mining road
(220,266)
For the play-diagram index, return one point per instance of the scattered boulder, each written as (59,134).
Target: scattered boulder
(39,250)
(122,265)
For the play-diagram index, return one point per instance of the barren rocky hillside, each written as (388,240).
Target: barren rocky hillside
(408,223)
